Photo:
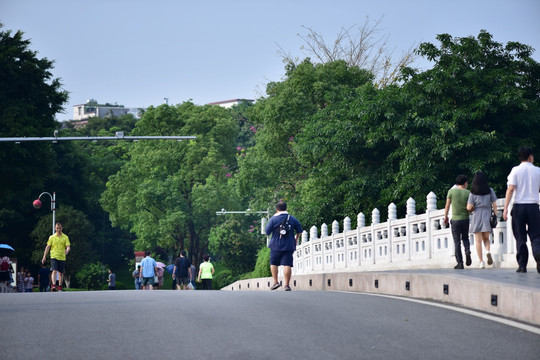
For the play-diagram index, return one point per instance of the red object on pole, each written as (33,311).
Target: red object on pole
(37,204)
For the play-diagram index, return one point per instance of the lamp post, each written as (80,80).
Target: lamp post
(37,204)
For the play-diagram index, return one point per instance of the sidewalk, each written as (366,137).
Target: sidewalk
(497,291)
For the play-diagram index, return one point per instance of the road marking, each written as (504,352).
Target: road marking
(479,314)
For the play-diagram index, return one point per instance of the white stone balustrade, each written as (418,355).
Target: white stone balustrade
(414,242)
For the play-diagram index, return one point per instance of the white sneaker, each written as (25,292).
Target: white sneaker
(481,265)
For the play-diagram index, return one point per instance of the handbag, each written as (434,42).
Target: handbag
(493,220)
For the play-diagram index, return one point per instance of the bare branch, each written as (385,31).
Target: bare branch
(360,46)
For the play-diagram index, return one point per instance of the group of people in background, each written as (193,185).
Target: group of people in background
(148,276)
(481,203)
(26,282)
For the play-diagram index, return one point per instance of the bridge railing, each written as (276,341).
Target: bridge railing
(416,241)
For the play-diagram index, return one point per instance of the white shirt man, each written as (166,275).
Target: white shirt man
(524,186)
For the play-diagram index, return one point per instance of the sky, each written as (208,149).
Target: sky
(137,52)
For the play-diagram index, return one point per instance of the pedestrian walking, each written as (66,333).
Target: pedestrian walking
(206,273)
(28,282)
(182,271)
(5,270)
(20,280)
(149,270)
(524,186)
(193,275)
(137,275)
(111,281)
(59,246)
(457,198)
(282,226)
(44,278)
(482,201)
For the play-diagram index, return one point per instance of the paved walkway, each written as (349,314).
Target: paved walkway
(250,325)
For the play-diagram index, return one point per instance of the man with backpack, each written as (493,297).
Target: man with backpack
(283,243)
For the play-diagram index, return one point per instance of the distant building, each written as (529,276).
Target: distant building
(93,109)
(231,103)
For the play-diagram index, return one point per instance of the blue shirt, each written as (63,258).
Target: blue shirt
(279,242)
(148,265)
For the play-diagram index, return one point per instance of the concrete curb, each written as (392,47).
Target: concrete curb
(500,298)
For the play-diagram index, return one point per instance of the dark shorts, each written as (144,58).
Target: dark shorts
(4,276)
(58,265)
(148,281)
(182,280)
(284,258)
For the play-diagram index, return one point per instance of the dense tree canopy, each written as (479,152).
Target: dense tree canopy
(168,192)
(271,169)
(334,144)
(29,99)
(469,113)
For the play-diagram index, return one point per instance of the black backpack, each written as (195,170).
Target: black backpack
(285,227)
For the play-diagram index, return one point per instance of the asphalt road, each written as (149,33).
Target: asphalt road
(247,325)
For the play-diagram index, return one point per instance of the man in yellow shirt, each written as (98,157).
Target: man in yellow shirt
(59,246)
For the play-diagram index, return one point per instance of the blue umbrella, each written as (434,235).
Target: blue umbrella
(7,247)
(169,268)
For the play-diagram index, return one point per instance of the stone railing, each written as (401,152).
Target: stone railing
(414,242)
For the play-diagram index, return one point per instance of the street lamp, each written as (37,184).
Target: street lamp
(37,204)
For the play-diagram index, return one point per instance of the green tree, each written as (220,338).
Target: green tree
(30,97)
(262,265)
(167,193)
(271,169)
(469,113)
(92,276)
(235,244)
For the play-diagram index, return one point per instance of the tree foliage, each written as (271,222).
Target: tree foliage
(167,193)
(235,245)
(29,99)
(92,276)
(272,169)
(469,113)
(334,144)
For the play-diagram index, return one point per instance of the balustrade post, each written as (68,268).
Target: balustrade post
(360,223)
(375,219)
(411,211)
(346,227)
(347,224)
(335,231)
(312,238)
(324,233)
(392,215)
(324,230)
(305,245)
(431,201)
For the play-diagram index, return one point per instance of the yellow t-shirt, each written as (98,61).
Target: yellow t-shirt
(206,270)
(58,246)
